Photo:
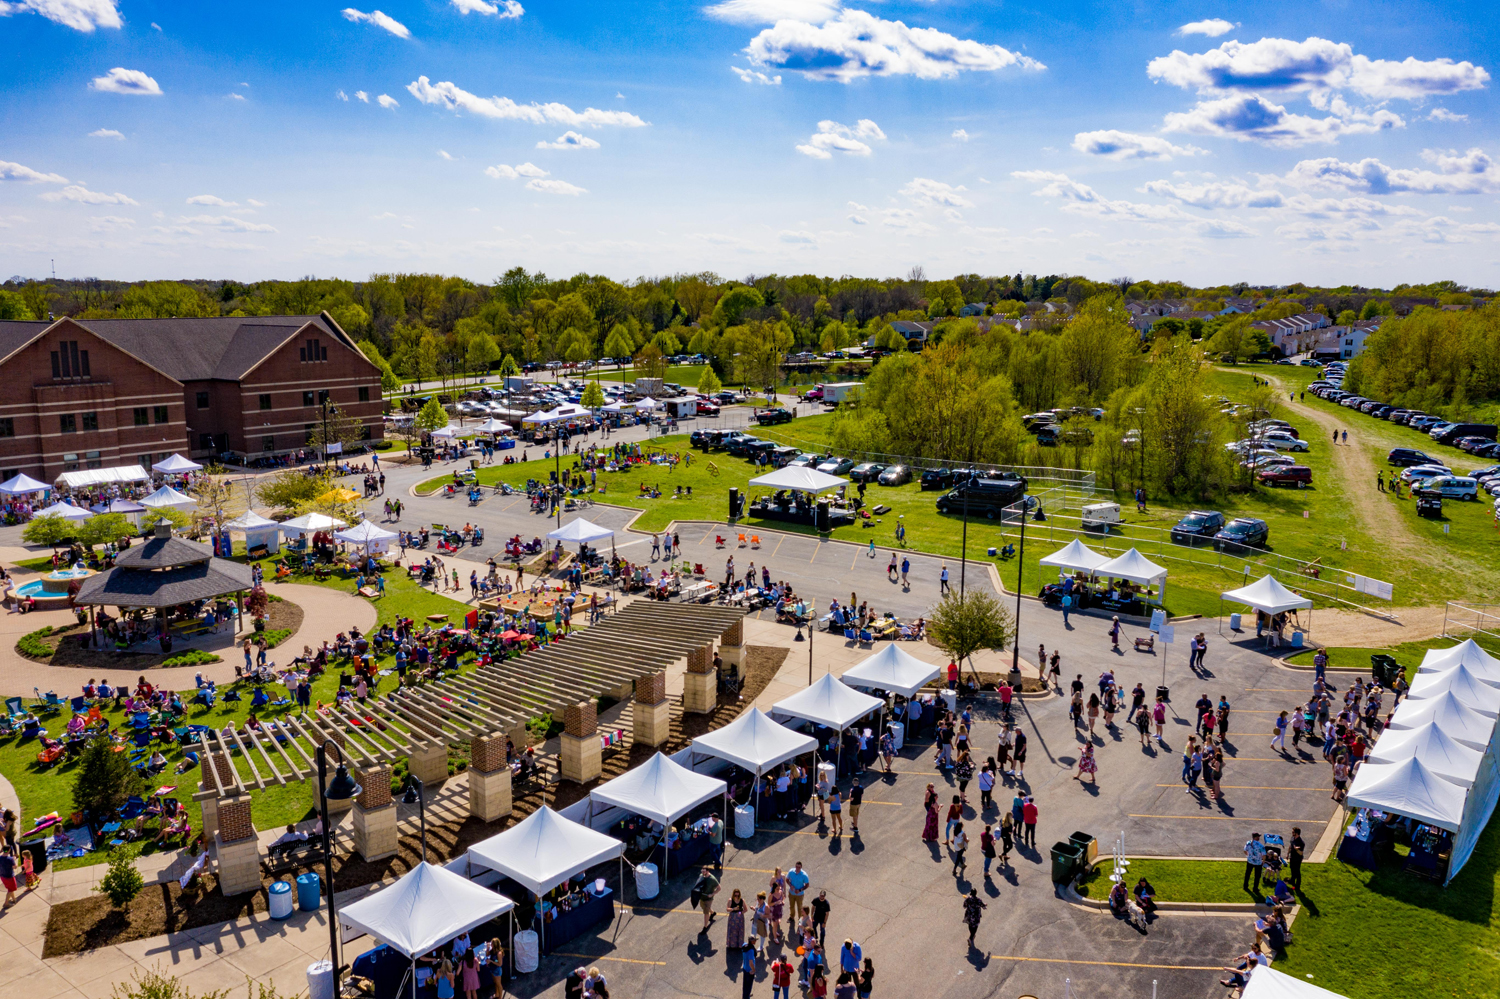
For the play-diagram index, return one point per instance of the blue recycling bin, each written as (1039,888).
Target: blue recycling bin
(309,892)
(280,903)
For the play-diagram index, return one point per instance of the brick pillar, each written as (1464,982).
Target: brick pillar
(701,659)
(652,711)
(210,811)
(700,689)
(489,778)
(237,851)
(428,762)
(732,644)
(579,757)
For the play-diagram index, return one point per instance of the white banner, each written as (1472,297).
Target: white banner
(1168,633)
(334,448)
(1374,587)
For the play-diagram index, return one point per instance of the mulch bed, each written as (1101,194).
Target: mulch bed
(92,922)
(69,650)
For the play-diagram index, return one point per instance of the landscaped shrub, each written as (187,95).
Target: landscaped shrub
(32,647)
(122,883)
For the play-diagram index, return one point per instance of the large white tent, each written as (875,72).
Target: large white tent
(102,476)
(1075,555)
(20,484)
(660,789)
(828,702)
(1408,788)
(799,479)
(557,415)
(426,908)
(1268,983)
(893,669)
(1267,594)
(368,535)
(1437,751)
(258,531)
(168,498)
(1465,653)
(544,849)
(580,531)
(176,464)
(755,742)
(65,510)
(1463,684)
(492,426)
(1136,568)
(1456,718)
(310,523)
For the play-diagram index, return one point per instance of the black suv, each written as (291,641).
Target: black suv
(1406,457)
(1198,525)
(748,447)
(1242,533)
(771,417)
(937,478)
(986,497)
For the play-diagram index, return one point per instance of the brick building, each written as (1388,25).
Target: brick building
(95,393)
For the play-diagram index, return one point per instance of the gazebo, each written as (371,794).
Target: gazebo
(755,743)
(162,573)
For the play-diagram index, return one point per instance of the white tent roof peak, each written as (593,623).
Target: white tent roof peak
(65,510)
(799,479)
(1437,751)
(312,522)
(364,532)
(1132,566)
(1456,718)
(1267,594)
(169,497)
(659,789)
(1466,653)
(544,849)
(427,907)
(22,483)
(828,702)
(492,426)
(250,521)
(893,669)
(1268,983)
(1408,788)
(1463,683)
(581,531)
(176,464)
(1075,555)
(755,742)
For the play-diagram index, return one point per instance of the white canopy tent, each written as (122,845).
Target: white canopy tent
(65,510)
(1075,555)
(830,703)
(1437,751)
(423,910)
(168,498)
(492,426)
(556,415)
(373,538)
(1136,568)
(1466,653)
(1408,788)
(250,521)
(124,506)
(446,433)
(799,479)
(893,669)
(1463,684)
(659,789)
(102,476)
(258,531)
(646,405)
(1268,983)
(21,483)
(176,464)
(1267,595)
(580,531)
(310,523)
(1456,718)
(754,742)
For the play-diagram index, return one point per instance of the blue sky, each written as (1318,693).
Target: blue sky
(1324,142)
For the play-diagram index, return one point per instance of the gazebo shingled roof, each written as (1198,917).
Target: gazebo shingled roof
(164,572)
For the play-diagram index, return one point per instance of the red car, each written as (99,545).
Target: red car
(1286,475)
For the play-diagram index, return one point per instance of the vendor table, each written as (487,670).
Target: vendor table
(684,857)
(1129,606)
(595,909)
(1359,852)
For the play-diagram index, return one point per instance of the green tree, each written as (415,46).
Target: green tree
(483,352)
(164,300)
(38,298)
(708,382)
(509,367)
(667,343)
(104,528)
(13,306)
(286,490)
(432,416)
(650,363)
(619,345)
(351,318)
(122,882)
(888,339)
(735,303)
(1347,317)
(49,530)
(593,396)
(962,626)
(103,780)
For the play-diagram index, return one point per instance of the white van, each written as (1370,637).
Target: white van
(1453,486)
(1101,515)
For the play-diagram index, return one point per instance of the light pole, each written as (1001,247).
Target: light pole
(1015,658)
(342,788)
(328,407)
(414,796)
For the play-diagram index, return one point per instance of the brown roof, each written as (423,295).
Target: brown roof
(164,553)
(124,586)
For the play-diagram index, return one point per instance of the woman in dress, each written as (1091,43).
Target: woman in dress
(930,827)
(1086,765)
(734,926)
(778,902)
(973,911)
(469,969)
(1002,751)
(1093,711)
(1143,726)
(964,771)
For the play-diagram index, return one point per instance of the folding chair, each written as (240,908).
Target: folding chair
(718,541)
(78,704)
(742,540)
(755,541)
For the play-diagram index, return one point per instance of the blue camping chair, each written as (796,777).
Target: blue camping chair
(13,708)
(79,704)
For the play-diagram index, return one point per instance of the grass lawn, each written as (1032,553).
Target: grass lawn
(43,791)
(1408,654)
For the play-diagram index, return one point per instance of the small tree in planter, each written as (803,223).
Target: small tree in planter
(104,780)
(258,604)
(962,626)
(122,883)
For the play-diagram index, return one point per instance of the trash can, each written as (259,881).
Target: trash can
(1163,692)
(950,698)
(1234,621)
(1065,857)
(38,850)
(744,821)
(898,735)
(320,980)
(1385,668)
(1296,639)
(309,892)
(280,903)
(646,883)
(526,953)
(1088,847)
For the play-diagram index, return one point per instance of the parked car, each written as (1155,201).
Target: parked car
(771,417)
(896,475)
(1257,461)
(1471,444)
(1198,525)
(1285,475)
(1284,442)
(937,478)
(836,466)
(867,471)
(781,456)
(809,460)
(1424,423)
(1405,457)
(982,497)
(747,447)
(1418,472)
(1242,533)
(1487,451)
(1451,486)
(1453,431)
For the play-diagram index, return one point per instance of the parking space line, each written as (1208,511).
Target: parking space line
(1104,964)
(815,551)
(603,957)
(778,545)
(650,908)
(1254,787)
(1223,818)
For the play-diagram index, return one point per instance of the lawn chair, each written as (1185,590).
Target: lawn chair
(698,569)
(13,709)
(54,703)
(742,540)
(79,705)
(755,541)
(719,541)
(39,702)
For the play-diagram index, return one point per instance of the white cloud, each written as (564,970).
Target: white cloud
(445,154)
(24,174)
(1314,65)
(1213,27)
(570,140)
(832,137)
(502,8)
(454,98)
(81,194)
(1215,195)
(1472,172)
(504,172)
(854,45)
(1116,145)
(379,19)
(953,215)
(362,96)
(387,101)
(342,96)
(797,236)
(155,25)
(771,11)
(859,219)
(210,199)
(80,15)
(1250,117)
(256,204)
(754,76)
(109,223)
(555,187)
(235,97)
(126,81)
(1080,199)
(960,134)
(228,223)
(106,133)
(932,192)
(1443,114)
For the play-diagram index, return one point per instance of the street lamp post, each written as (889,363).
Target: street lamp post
(1015,659)
(415,796)
(342,788)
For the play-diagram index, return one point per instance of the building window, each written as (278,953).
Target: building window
(322,396)
(142,416)
(67,423)
(8,427)
(364,393)
(313,350)
(364,432)
(90,421)
(265,400)
(70,463)
(159,414)
(68,361)
(307,399)
(202,400)
(268,443)
(307,431)
(144,460)
(93,460)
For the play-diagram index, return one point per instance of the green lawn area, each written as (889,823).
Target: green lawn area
(43,791)
(1408,654)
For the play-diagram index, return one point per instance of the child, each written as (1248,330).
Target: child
(28,869)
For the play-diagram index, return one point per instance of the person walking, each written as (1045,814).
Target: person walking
(1020,756)
(1093,713)
(987,786)
(820,911)
(943,580)
(973,912)
(747,970)
(796,887)
(1278,736)
(987,848)
(856,799)
(1007,837)
(905,568)
(1029,816)
(960,848)
(1086,765)
(930,824)
(704,892)
(1297,850)
(1255,857)
(1114,633)
(955,818)
(1067,604)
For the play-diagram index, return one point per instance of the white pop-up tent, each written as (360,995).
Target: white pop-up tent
(102,476)
(1463,684)
(893,669)
(176,465)
(1465,653)
(258,531)
(1456,718)
(830,703)
(1408,788)
(1075,555)
(1437,751)
(1268,983)
(168,498)
(1136,568)
(646,405)
(492,426)
(660,789)
(580,531)
(754,742)
(310,523)
(423,910)
(799,479)
(368,535)
(1266,594)
(67,511)
(20,484)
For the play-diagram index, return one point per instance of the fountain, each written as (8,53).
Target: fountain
(51,591)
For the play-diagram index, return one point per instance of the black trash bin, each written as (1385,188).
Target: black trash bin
(1088,848)
(1385,668)
(1163,692)
(1065,862)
